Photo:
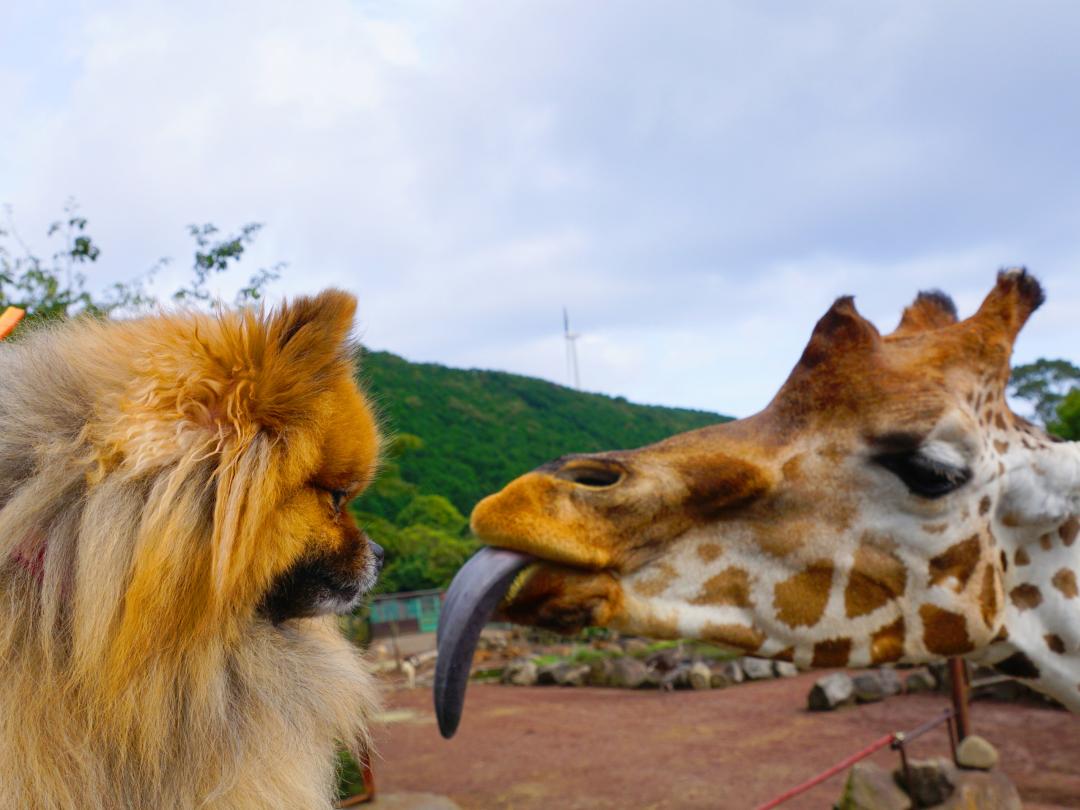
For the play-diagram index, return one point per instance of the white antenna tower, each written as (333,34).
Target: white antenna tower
(571,351)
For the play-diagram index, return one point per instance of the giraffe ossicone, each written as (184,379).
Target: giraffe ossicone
(886,506)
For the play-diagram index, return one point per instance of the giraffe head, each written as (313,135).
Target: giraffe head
(885,506)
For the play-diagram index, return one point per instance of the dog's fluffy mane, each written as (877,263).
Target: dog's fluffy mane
(135,671)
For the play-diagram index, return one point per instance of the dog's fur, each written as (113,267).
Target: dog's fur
(172,543)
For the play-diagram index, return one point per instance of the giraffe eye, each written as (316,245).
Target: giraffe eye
(924,476)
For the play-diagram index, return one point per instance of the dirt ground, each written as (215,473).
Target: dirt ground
(551,747)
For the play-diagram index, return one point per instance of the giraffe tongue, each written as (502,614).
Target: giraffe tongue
(473,596)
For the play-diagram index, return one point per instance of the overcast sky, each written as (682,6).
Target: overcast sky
(696,182)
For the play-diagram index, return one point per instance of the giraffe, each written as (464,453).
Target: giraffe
(886,506)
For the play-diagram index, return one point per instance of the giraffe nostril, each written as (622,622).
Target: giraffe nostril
(592,473)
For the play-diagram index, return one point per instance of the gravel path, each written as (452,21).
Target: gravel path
(551,747)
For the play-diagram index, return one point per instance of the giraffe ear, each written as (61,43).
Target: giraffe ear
(931,309)
(1006,309)
(841,331)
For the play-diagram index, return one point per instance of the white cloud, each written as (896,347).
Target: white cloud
(695,182)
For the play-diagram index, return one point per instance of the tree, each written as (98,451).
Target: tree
(56,287)
(1066,423)
(1045,384)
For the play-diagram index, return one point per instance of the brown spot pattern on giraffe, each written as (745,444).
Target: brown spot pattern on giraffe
(1022,557)
(877,576)
(1055,643)
(658,582)
(957,561)
(834,652)
(1001,447)
(709,551)
(801,599)
(1026,596)
(730,587)
(1065,581)
(1045,542)
(734,635)
(887,644)
(984,505)
(988,597)
(944,632)
(1068,530)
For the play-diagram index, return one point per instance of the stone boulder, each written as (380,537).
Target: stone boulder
(785,669)
(520,672)
(830,692)
(985,790)
(677,678)
(890,681)
(700,675)
(635,646)
(665,660)
(928,782)
(572,674)
(757,669)
(976,753)
(546,675)
(871,787)
(921,680)
(732,671)
(601,671)
(628,673)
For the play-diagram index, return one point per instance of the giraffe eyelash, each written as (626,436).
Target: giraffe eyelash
(924,476)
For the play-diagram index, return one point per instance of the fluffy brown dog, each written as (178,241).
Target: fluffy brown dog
(173,541)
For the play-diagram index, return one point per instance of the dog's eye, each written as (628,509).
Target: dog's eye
(338,497)
(922,475)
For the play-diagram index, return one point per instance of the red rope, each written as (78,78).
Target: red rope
(835,769)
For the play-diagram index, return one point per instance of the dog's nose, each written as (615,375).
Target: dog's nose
(379,553)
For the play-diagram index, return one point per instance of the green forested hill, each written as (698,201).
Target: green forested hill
(480,429)
(458,435)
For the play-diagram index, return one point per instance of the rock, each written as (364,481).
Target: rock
(700,676)
(928,781)
(986,790)
(890,681)
(717,680)
(665,660)
(572,674)
(628,673)
(871,787)
(413,801)
(920,681)
(732,671)
(678,678)
(830,692)
(757,669)
(545,675)
(868,688)
(635,646)
(600,672)
(976,752)
(520,672)
(785,669)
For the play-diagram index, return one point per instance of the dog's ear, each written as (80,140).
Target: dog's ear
(289,360)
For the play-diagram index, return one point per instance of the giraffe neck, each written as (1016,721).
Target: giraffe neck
(1038,526)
